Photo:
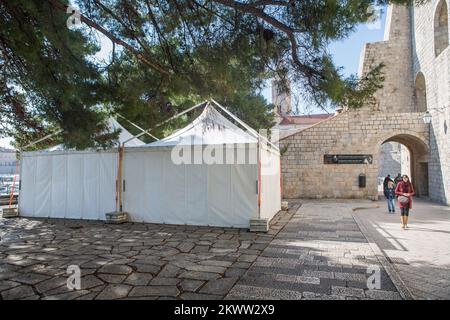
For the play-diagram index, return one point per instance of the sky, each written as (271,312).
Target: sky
(346,53)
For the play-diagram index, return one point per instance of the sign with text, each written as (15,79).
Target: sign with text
(348,159)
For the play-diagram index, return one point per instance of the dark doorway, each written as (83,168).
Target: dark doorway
(424,182)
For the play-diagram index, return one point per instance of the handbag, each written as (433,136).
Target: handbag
(403,200)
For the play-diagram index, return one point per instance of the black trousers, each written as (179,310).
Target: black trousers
(405,212)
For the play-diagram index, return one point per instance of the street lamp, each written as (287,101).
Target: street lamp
(427,117)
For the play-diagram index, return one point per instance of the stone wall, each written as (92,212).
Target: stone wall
(390,161)
(394,159)
(353,132)
(395,53)
(436,71)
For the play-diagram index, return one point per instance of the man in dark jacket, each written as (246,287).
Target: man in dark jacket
(389,193)
(386,180)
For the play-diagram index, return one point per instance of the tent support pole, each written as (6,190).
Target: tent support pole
(119,178)
(165,121)
(259,178)
(136,126)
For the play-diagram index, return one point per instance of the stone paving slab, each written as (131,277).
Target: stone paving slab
(420,255)
(129,261)
(320,254)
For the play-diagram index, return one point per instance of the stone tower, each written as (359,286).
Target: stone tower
(395,53)
(281,98)
(431,78)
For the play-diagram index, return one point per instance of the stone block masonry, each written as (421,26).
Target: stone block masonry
(355,132)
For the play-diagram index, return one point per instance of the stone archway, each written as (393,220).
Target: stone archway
(418,159)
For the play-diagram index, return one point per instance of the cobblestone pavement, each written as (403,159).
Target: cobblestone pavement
(130,261)
(420,255)
(320,254)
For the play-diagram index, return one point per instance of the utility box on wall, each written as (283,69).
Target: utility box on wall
(362,180)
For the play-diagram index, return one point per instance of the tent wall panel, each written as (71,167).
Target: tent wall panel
(107,183)
(197,189)
(270,184)
(158,191)
(135,194)
(219,195)
(154,204)
(76,185)
(75,194)
(43,200)
(244,194)
(91,186)
(59,186)
(174,191)
(27,185)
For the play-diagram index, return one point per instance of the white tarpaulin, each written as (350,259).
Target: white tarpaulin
(68,184)
(210,128)
(158,191)
(270,182)
(205,193)
(215,185)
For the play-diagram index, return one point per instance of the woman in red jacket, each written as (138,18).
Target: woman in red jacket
(405,192)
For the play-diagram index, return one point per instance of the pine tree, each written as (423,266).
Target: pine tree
(166,56)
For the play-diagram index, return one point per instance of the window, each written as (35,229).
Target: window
(441,28)
(421,93)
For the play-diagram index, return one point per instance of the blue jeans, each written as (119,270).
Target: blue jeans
(391,205)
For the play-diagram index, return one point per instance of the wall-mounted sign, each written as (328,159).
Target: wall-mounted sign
(348,159)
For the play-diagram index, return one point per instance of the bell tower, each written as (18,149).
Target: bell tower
(281,98)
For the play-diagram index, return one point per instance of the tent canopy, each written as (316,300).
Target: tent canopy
(124,134)
(113,125)
(209,128)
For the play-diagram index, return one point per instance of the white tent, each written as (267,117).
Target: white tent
(209,173)
(62,183)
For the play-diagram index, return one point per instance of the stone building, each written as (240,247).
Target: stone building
(416,55)
(287,123)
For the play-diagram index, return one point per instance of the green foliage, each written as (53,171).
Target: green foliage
(168,55)
(46,79)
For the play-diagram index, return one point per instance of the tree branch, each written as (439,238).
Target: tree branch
(270,3)
(290,32)
(114,39)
